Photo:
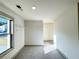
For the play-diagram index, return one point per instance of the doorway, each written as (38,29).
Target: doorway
(49,38)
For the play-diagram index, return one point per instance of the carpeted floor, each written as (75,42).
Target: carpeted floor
(38,53)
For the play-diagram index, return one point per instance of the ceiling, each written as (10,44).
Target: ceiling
(46,9)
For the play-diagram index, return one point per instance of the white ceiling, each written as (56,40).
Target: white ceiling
(46,9)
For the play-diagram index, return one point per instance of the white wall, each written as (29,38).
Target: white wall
(33,32)
(66,31)
(18,32)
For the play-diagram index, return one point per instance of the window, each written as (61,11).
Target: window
(6,32)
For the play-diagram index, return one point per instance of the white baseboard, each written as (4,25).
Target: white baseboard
(65,57)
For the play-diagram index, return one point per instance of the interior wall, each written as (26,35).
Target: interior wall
(33,32)
(48,31)
(18,32)
(66,31)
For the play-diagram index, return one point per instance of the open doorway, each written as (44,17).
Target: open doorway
(49,38)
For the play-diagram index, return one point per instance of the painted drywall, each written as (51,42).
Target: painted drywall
(66,31)
(18,32)
(48,31)
(33,32)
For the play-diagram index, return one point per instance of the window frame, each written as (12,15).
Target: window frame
(4,15)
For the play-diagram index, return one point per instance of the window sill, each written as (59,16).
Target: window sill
(6,52)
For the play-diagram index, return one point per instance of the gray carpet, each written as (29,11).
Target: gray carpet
(38,53)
